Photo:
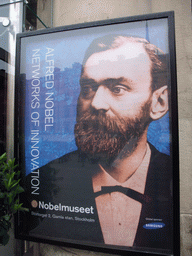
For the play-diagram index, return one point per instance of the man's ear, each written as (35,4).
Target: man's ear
(159,105)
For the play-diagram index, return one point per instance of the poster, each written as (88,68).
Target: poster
(95,134)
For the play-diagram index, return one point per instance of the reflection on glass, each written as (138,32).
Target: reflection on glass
(38,15)
(10,25)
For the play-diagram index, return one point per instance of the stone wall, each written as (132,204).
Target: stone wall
(71,12)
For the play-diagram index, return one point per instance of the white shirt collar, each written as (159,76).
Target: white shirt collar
(136,181)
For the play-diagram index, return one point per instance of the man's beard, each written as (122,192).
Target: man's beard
(102,137)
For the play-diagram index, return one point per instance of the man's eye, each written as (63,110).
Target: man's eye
(86,91)
(119,89)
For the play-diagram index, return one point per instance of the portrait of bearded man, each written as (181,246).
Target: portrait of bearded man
(115,171)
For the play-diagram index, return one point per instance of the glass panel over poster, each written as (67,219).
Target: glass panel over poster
(95,108)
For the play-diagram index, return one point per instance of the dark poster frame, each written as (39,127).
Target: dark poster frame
(157,27)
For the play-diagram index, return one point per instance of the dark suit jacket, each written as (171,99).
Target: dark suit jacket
(68,180)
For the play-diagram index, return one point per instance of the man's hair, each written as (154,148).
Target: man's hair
(159,68)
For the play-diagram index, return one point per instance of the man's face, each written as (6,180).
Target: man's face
(114,102)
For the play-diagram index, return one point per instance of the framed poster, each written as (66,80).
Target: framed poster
(96,135)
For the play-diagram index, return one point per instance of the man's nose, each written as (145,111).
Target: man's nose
(100,99)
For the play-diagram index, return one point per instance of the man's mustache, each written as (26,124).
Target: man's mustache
(99,135)
(95,121)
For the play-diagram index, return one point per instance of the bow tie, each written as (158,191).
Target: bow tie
(127,191)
